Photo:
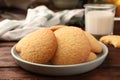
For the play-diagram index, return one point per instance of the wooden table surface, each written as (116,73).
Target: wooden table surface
(108,70)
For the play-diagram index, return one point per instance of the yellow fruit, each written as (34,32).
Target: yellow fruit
(117,2)
(111,1)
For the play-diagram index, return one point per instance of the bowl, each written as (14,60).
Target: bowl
(60,70)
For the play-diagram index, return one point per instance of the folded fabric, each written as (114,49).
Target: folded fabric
(39,17)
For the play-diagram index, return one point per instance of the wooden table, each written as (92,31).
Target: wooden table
(108,70)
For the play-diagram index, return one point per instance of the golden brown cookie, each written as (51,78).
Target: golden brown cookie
(111,39)
(38,46)
(92,56)
(73,46)
(95,46)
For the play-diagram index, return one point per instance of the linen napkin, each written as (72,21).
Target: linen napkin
(36,18)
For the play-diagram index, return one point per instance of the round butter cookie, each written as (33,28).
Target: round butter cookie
(92,56)
(38,46)
(95,46)
(111,39)
(73,46)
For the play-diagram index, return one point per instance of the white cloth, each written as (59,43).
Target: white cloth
(39,17)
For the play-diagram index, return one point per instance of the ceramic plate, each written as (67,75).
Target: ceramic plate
(59,70)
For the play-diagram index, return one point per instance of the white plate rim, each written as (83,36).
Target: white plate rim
(13,52)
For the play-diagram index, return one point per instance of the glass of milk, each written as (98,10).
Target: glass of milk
(99,19)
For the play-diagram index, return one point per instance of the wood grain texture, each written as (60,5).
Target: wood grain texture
(117,28)
(7,43)
(97,74)
(6,59)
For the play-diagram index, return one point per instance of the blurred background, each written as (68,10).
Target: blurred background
(18,8)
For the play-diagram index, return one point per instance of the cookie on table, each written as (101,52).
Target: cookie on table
(38,46)
(95,45)
(111,39)
(91,57)
(73,46)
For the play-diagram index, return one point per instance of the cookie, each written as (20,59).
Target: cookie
(73,46)
(111,39)
(38,46)
(91,57)
(95,46)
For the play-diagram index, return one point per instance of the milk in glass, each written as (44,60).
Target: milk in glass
(99,19)
(99,22)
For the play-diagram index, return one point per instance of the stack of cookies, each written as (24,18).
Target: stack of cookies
(60,45)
